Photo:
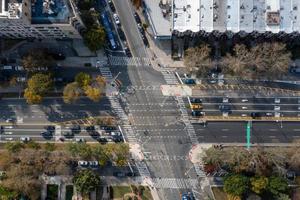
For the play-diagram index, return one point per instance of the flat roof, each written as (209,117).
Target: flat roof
(50,11)
(159,17)
(236,15)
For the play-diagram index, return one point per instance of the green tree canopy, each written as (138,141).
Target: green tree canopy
(86,181)
(258,184)
(81,150)
(83,79)
(14,147)
(277,185)
(40,83)
(236,184)
(95,38)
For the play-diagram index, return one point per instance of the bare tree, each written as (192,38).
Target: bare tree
(198,61)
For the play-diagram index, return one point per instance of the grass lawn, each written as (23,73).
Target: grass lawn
(147,194)
(219,193)
(69,192)
(119,191)
(52,192)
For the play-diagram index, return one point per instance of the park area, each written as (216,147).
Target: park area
(131,192)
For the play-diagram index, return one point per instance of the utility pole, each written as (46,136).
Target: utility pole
(248,134)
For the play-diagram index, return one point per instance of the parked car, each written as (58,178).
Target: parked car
(117,19)
(121,34)
(83,163)
(196,107)
(137,18)
(196,100)
(111,5)
(25,139)
(119,174)
(190,81)
(93,164)
(197,113)
(224,107)
(80,140)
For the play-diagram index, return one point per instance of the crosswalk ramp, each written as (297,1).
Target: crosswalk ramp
(199,171)
(175,183)
(128,61)
(170,77)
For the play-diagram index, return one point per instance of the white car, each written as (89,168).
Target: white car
(269,114)
(277,100)
(117,19)
(79,140)
(83,163)
(244,108)
(244,115)
(244,100)
(25,139)
(276,107)
(225,100)
(19,68)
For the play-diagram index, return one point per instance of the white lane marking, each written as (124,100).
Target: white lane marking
(273,129)
(225,129)
(296,129)
(272,136)
(224,136)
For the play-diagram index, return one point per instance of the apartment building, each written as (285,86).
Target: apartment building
(39,19)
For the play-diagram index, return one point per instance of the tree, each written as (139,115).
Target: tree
(81,150)
(95,38)
(6,194)
(40,83)
(197,59)
(83,79)
(36,59)
(93,93)
(119,153)
(86,181)
(283,197)
(137,3)
(277,185)
(31,97)
(101,155)
(14,147)
(49,147)
(71,92)
(258,184)
(240,63)
(213,157)
(33,145)
(236,184)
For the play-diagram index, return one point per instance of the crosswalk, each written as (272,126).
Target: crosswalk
(143,169)
(175,183)
(116,106)
(126,61)
(106,73)
(170,77)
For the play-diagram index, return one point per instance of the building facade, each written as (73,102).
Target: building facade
(39,19)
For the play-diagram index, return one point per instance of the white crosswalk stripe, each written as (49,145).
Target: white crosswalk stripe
(170,77)
(175,183)
(116,106)
(143,169)
(134,61)
(106,73)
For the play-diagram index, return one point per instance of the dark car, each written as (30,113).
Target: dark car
(111,5)
(224,107)
(146,42)
(128,52)
(137,18)
(108,128)
(76,129)
(196,100)
(90,128)
(190,81)
(121,34)
(197,113)
(102,140)
(255,115)
(119,174)
(57,56)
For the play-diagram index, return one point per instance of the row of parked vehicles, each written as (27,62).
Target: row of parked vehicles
(196,107)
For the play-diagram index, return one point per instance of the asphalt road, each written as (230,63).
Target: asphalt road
(287,107)
(52,110)
(235,132)
(150,111)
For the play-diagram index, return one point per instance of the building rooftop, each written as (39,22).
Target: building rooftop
(160,16)
(236,15)
(50,11)
(10,9)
